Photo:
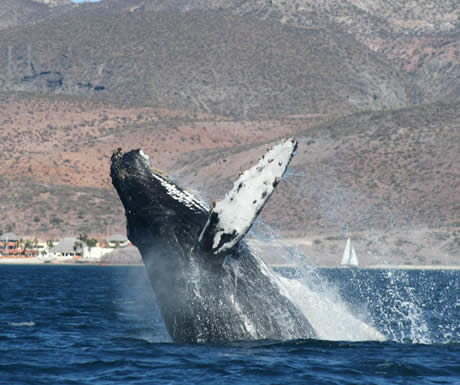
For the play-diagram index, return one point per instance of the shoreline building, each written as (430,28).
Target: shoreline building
(69,247)
(9,244)
(117,240)
(72,247)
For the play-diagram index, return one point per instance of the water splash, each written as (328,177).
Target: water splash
(354,305)
(321,303)
(403,318)
(341,304)
(415,306)
(329,314)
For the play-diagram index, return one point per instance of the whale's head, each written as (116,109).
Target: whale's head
(155,206)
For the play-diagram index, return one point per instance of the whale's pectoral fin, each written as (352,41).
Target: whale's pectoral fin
(232,217)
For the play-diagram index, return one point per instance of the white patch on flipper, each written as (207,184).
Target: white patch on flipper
(241,205)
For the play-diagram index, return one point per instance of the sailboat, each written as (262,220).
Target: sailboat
(349,255)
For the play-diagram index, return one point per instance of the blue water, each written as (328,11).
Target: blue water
(100,325)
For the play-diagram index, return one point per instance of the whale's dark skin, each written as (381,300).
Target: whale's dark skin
(202,297)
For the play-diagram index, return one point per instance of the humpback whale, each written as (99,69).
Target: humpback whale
(209,285)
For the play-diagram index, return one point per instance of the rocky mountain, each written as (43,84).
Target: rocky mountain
(21,12)
(209,62)
(16,12)
(432,62)
(363,17)
(427,29)
(239,58)
(53,3)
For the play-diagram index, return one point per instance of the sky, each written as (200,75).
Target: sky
(82,1)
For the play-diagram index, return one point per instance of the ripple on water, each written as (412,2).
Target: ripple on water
(72,336)
(22,324)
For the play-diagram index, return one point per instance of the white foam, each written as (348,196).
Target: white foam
(249,326)
(24,323)
(404,318)
(328,314)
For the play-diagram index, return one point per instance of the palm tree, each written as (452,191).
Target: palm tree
(77,246)
(27,245)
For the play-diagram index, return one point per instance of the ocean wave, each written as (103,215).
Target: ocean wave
(24,323)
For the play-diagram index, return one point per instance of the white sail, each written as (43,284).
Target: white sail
(346,253)
(349,255)
(353,261)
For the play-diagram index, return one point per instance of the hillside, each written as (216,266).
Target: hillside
(397,169)
(21,12)
(420,38)
(391,179)
(432,62)
(63,145)
(394,168)
(241,59)
(204,62)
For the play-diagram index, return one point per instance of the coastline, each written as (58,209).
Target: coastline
(54,262)
(411,248)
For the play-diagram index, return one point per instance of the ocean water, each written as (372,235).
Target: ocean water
(101,325)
